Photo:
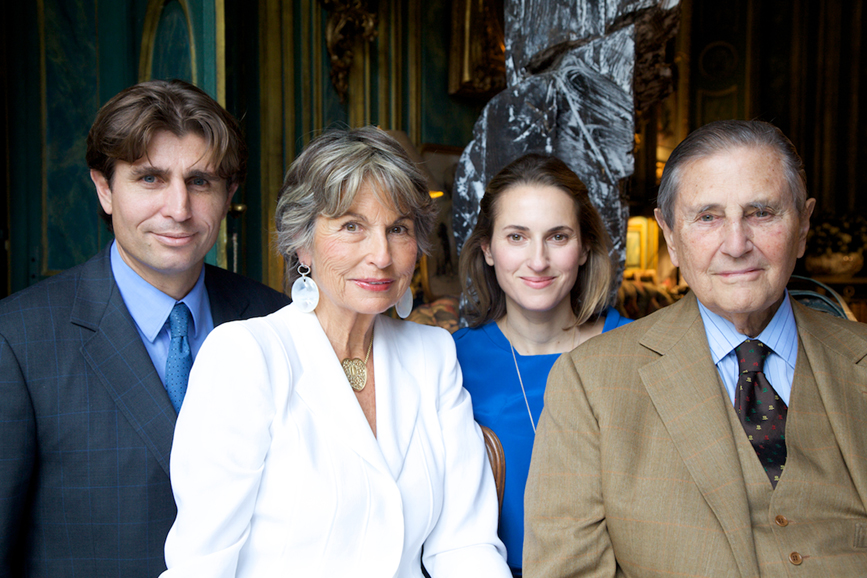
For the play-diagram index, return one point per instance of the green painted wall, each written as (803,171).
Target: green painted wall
(446,120)
(70,57)
(92,51)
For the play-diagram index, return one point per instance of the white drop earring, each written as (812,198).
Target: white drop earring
(305,293)
(404,305)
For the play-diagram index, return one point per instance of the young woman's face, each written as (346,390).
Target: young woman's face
(535,248)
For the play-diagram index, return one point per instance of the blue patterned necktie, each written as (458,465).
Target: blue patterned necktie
(180,358)
(761,411)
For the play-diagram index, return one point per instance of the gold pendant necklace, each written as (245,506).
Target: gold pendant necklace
(356,370)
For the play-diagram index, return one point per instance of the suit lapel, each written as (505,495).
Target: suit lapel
(117,355)
(397,395)
(685,388)
(838,358)
(322,385)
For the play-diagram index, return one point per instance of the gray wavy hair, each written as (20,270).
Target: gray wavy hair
(327,176)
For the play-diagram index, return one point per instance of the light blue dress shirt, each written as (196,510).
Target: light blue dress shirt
(150,309)
(781,335)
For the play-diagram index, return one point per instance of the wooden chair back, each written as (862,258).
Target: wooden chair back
(497,460)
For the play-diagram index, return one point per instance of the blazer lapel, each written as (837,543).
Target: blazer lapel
(685,388)
(324,388)
(838,358)
(118,357)
(397,394)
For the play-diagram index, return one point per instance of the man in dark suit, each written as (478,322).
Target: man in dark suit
(724,435)
(94,361)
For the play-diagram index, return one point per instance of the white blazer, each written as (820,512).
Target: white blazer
(276,471)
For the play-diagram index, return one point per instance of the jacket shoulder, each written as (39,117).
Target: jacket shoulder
(434,344)
(225,286)
(219,276)
(815,318)
(627,335)
(54,292)
(843,335)
(411,329)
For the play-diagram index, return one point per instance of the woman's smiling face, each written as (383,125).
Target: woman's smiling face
(362,261)
(535,248)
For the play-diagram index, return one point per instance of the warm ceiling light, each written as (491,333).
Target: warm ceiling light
(436,194)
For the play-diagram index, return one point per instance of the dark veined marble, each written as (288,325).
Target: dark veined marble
(580,112)
(570,68)
(537,30)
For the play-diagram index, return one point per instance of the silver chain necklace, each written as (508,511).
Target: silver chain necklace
(524,391)
(521,381)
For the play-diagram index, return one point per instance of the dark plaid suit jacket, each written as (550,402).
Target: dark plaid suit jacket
(86,426)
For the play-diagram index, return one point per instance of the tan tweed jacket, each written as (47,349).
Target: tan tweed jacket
(635,469)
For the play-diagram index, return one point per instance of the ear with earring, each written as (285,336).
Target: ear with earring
(305,293)
(404,306)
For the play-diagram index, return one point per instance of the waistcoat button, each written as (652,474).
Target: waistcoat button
(795,558)
(781,521)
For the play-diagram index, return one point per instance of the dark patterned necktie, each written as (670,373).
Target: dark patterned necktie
(760,409)
(180,358)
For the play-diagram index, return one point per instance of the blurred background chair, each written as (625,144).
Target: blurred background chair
(817,295)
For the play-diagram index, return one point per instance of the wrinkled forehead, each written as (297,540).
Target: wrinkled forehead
(371,192)
(743,176)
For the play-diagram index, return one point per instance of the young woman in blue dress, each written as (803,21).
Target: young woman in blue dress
(537,277)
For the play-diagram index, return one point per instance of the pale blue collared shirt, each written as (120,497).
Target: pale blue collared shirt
(781,335)
(150,310)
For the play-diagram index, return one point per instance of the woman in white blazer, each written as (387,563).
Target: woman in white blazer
(327,439)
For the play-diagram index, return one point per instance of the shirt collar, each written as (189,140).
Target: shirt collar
(149,306)
(781,334)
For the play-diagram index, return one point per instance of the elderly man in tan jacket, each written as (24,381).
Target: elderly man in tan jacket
(725,435)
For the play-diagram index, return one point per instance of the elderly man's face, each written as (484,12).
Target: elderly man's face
(737,234)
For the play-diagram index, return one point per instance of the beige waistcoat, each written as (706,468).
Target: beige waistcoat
(815,506)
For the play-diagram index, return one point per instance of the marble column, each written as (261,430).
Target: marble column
(571,92)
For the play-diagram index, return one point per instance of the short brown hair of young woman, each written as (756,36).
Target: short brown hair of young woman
(327,176)
(591,293)
(126,124)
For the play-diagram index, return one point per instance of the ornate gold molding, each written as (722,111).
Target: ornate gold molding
(220,45)
(359,97)
(43,129)
(414,34)
(349,23)
(271,102)
(149,34)
(390,64)
(477,57)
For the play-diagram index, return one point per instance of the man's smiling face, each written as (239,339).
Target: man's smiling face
(166,209)
(737,233)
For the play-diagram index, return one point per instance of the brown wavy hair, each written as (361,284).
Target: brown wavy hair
(126,124)
(591,293)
